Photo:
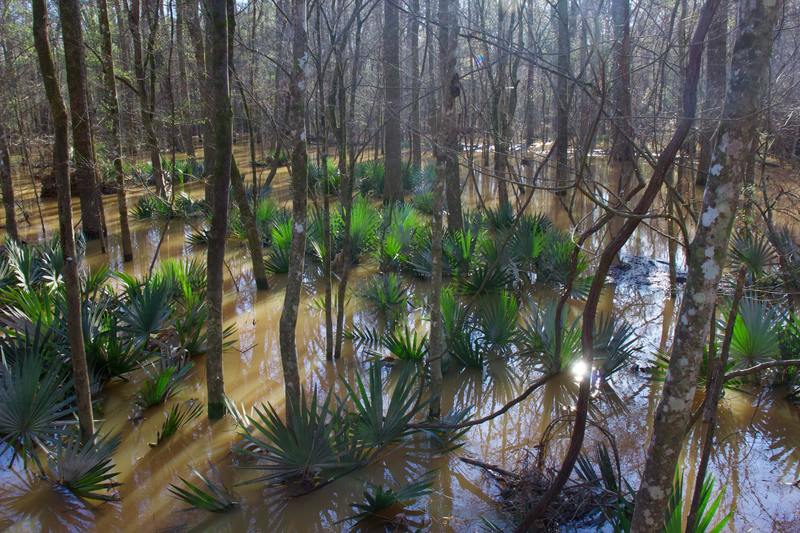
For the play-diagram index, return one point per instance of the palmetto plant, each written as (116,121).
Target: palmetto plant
(609,482)
(214,497)
(673,519)
(178,416)
(35,402)
(405,345)
(497,320)
(376,424)
(483,280)
(752,251)
(277,262)
(86,469)
(615,343)
(146,308)
(364,223)
(306,449)
(756,333)
(162,383)
(383,506)
(538,337)
(386,293)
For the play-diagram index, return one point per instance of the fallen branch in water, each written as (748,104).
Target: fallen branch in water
(761,366)
(527,392)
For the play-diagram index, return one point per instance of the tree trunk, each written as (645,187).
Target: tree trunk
(146,100)
(393,173)
(7,186)
(716,69)
(223,149)
(707,252)
(562,96)
(80,372)
(112,108)
(184,105)
(86,170)
(416,139)
(299,166)
(448,148)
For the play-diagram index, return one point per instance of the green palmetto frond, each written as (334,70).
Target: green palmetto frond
(146,309)
(161,384)
(386,293)
(377,424)
(538,337)
(306,448)
(483,280)
(177,417)
(497,319)
(86,469)
(673,518)
(214,497)
(615,344)
(752,251)
(406,345)
(35,402)
(756,333)
(466,350)
(383,505)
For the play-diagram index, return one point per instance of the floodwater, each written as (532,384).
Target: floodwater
(757,461)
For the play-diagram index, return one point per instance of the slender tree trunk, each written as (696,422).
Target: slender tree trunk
(707,253)
(86,170)
(448,147)
(562,95)
(223,149)
(146,100)
(716,70)
(184,106)
(8,186)
(393,173)
(416,138)
(112,108)
(299,161)
(80,372)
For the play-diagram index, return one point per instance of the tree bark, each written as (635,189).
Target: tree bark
(299,166)
(112,108)
(707,253)
(85,167)
(562,96)
(393,171)
(8,186)
(80,372)
(146,100)
(716,69)
(416,138)
(447,149)
(184,106)
(223,150)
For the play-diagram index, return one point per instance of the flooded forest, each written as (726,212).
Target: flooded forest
(400,265)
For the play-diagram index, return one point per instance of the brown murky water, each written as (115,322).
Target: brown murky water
(757,461)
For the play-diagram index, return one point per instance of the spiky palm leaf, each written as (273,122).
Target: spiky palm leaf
(752,251)
(386,293)
(34,403)
(87,469)
(305,449)
(756,333)
(405,345)
(215,497)
(497,320)
(673,518)
(376,424)
(178,416)
(384,504)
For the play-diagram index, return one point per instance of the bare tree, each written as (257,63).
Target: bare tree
(112,108)
(223,153)
(86,169)
(707,253)
(8,186)
(80,372)
(296,131)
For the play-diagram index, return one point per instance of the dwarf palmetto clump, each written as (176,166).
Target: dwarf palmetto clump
(387,294)
(213,497)
(377,424)
(539,338)
(179,415)
(307,449)
(35,403)
(162,383)
(498,318)
(405,345)
(86,469)
(706,510)
(386,506)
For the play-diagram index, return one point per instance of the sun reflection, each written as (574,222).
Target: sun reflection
(580,369)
